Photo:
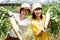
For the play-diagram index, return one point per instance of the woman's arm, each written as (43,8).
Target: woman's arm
(15,28)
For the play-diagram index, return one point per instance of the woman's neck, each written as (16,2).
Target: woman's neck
(38,18)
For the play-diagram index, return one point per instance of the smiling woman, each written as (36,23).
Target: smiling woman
(38,23)
(19,22)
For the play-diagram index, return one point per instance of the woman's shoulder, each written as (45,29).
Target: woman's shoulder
(44,17)
(16,14)
(27,20)
(34,21)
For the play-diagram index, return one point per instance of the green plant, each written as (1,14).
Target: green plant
(4,23)
(54,10)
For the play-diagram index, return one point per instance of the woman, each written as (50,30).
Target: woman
(39,23)
(19,22)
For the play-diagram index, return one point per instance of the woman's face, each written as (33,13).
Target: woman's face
(38,12)
(24,12)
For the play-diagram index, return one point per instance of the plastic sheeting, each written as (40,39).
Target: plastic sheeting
(29,1)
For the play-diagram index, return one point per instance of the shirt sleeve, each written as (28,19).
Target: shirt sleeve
(24,22)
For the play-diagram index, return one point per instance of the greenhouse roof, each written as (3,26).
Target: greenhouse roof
(28,1)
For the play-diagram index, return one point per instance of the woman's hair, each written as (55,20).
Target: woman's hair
(22,9)
(34,16)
